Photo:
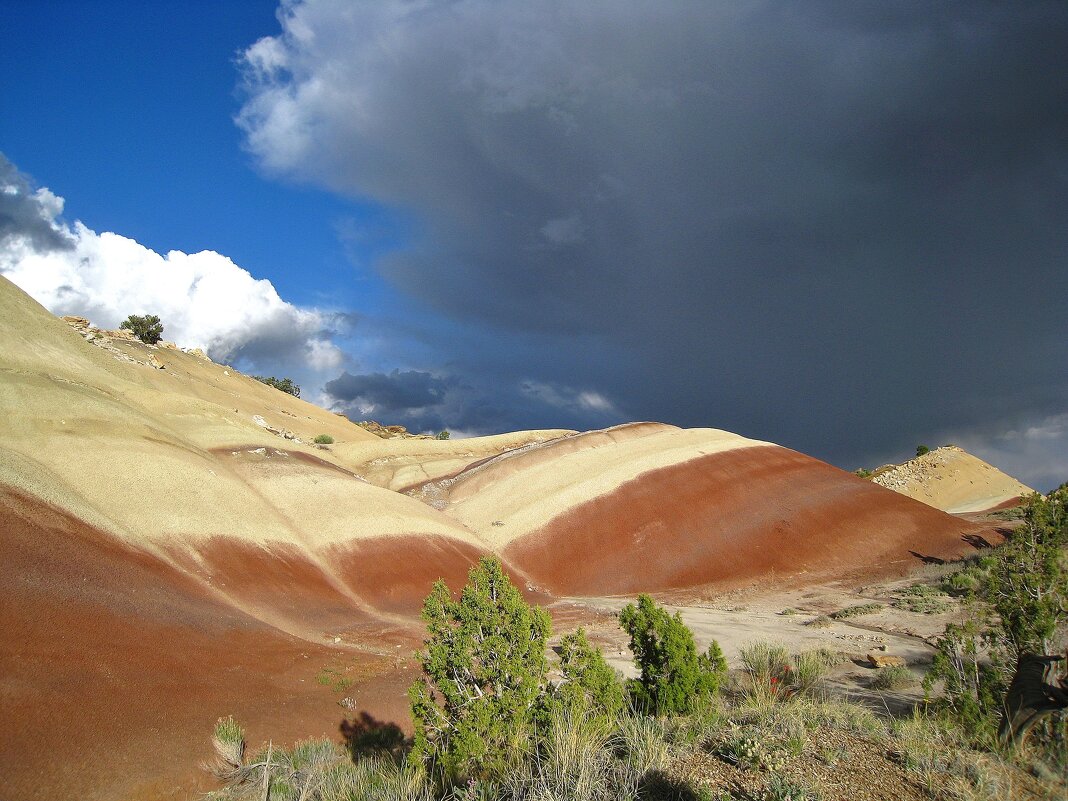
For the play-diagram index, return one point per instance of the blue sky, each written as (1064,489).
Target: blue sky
(840,227)
(126,109)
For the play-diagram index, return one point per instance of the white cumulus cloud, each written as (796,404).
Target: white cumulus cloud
(204,299)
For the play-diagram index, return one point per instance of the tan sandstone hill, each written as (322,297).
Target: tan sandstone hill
(951,479)
(176,548)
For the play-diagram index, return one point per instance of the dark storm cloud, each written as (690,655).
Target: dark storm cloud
(841,226)
(397,391)
(422,401)
(27,214)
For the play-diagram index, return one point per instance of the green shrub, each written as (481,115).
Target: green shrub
(443,434)
(893,677)
(284,384)
(148,328)
(820,622)
(590,681)
(673,677)
(323,439)
(484,678)
(780,789)
(858,611)
(922,450)
(810,669)
(972,688)
(768,672)
(923,599)
(1017,600)
(862,472)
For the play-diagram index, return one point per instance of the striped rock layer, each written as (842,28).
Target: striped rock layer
(177,548)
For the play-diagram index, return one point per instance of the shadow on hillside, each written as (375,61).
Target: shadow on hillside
(659,786)
(978,542)
(928,560)
(365,735)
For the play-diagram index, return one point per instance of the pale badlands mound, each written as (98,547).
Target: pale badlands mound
(176,548)
(951,479)
(653,507)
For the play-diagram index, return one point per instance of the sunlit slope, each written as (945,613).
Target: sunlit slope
(205,469)
(400,464)
(652,507)
(951,479)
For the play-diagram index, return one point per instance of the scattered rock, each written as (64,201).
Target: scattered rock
(79,323)
(882,660)
(388,432)
(156,363)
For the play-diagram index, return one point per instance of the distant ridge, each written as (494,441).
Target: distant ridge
(951,479)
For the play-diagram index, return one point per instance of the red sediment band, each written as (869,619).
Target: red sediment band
(755,513)
(396,573)
(277,579)
(111,657)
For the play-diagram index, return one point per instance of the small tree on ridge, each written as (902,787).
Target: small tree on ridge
(148,328)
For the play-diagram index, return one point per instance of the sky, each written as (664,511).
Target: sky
(838,226)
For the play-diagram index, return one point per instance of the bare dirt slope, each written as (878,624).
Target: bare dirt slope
(951,479)
(176,548)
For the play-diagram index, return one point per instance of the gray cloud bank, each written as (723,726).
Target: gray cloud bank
(841,226)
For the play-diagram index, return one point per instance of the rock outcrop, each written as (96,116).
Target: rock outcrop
(951,479)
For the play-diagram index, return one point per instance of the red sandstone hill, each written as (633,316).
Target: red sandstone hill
(176,548)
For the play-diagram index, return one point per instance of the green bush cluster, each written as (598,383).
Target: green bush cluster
(1016,599)
(489,724)
(858,610)
(485,699)
(148,328)
(284,384)
(323,439)
(923,599)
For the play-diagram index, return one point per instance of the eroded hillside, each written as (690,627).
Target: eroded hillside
(179,549)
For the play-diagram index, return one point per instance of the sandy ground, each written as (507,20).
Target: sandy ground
(740,618)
